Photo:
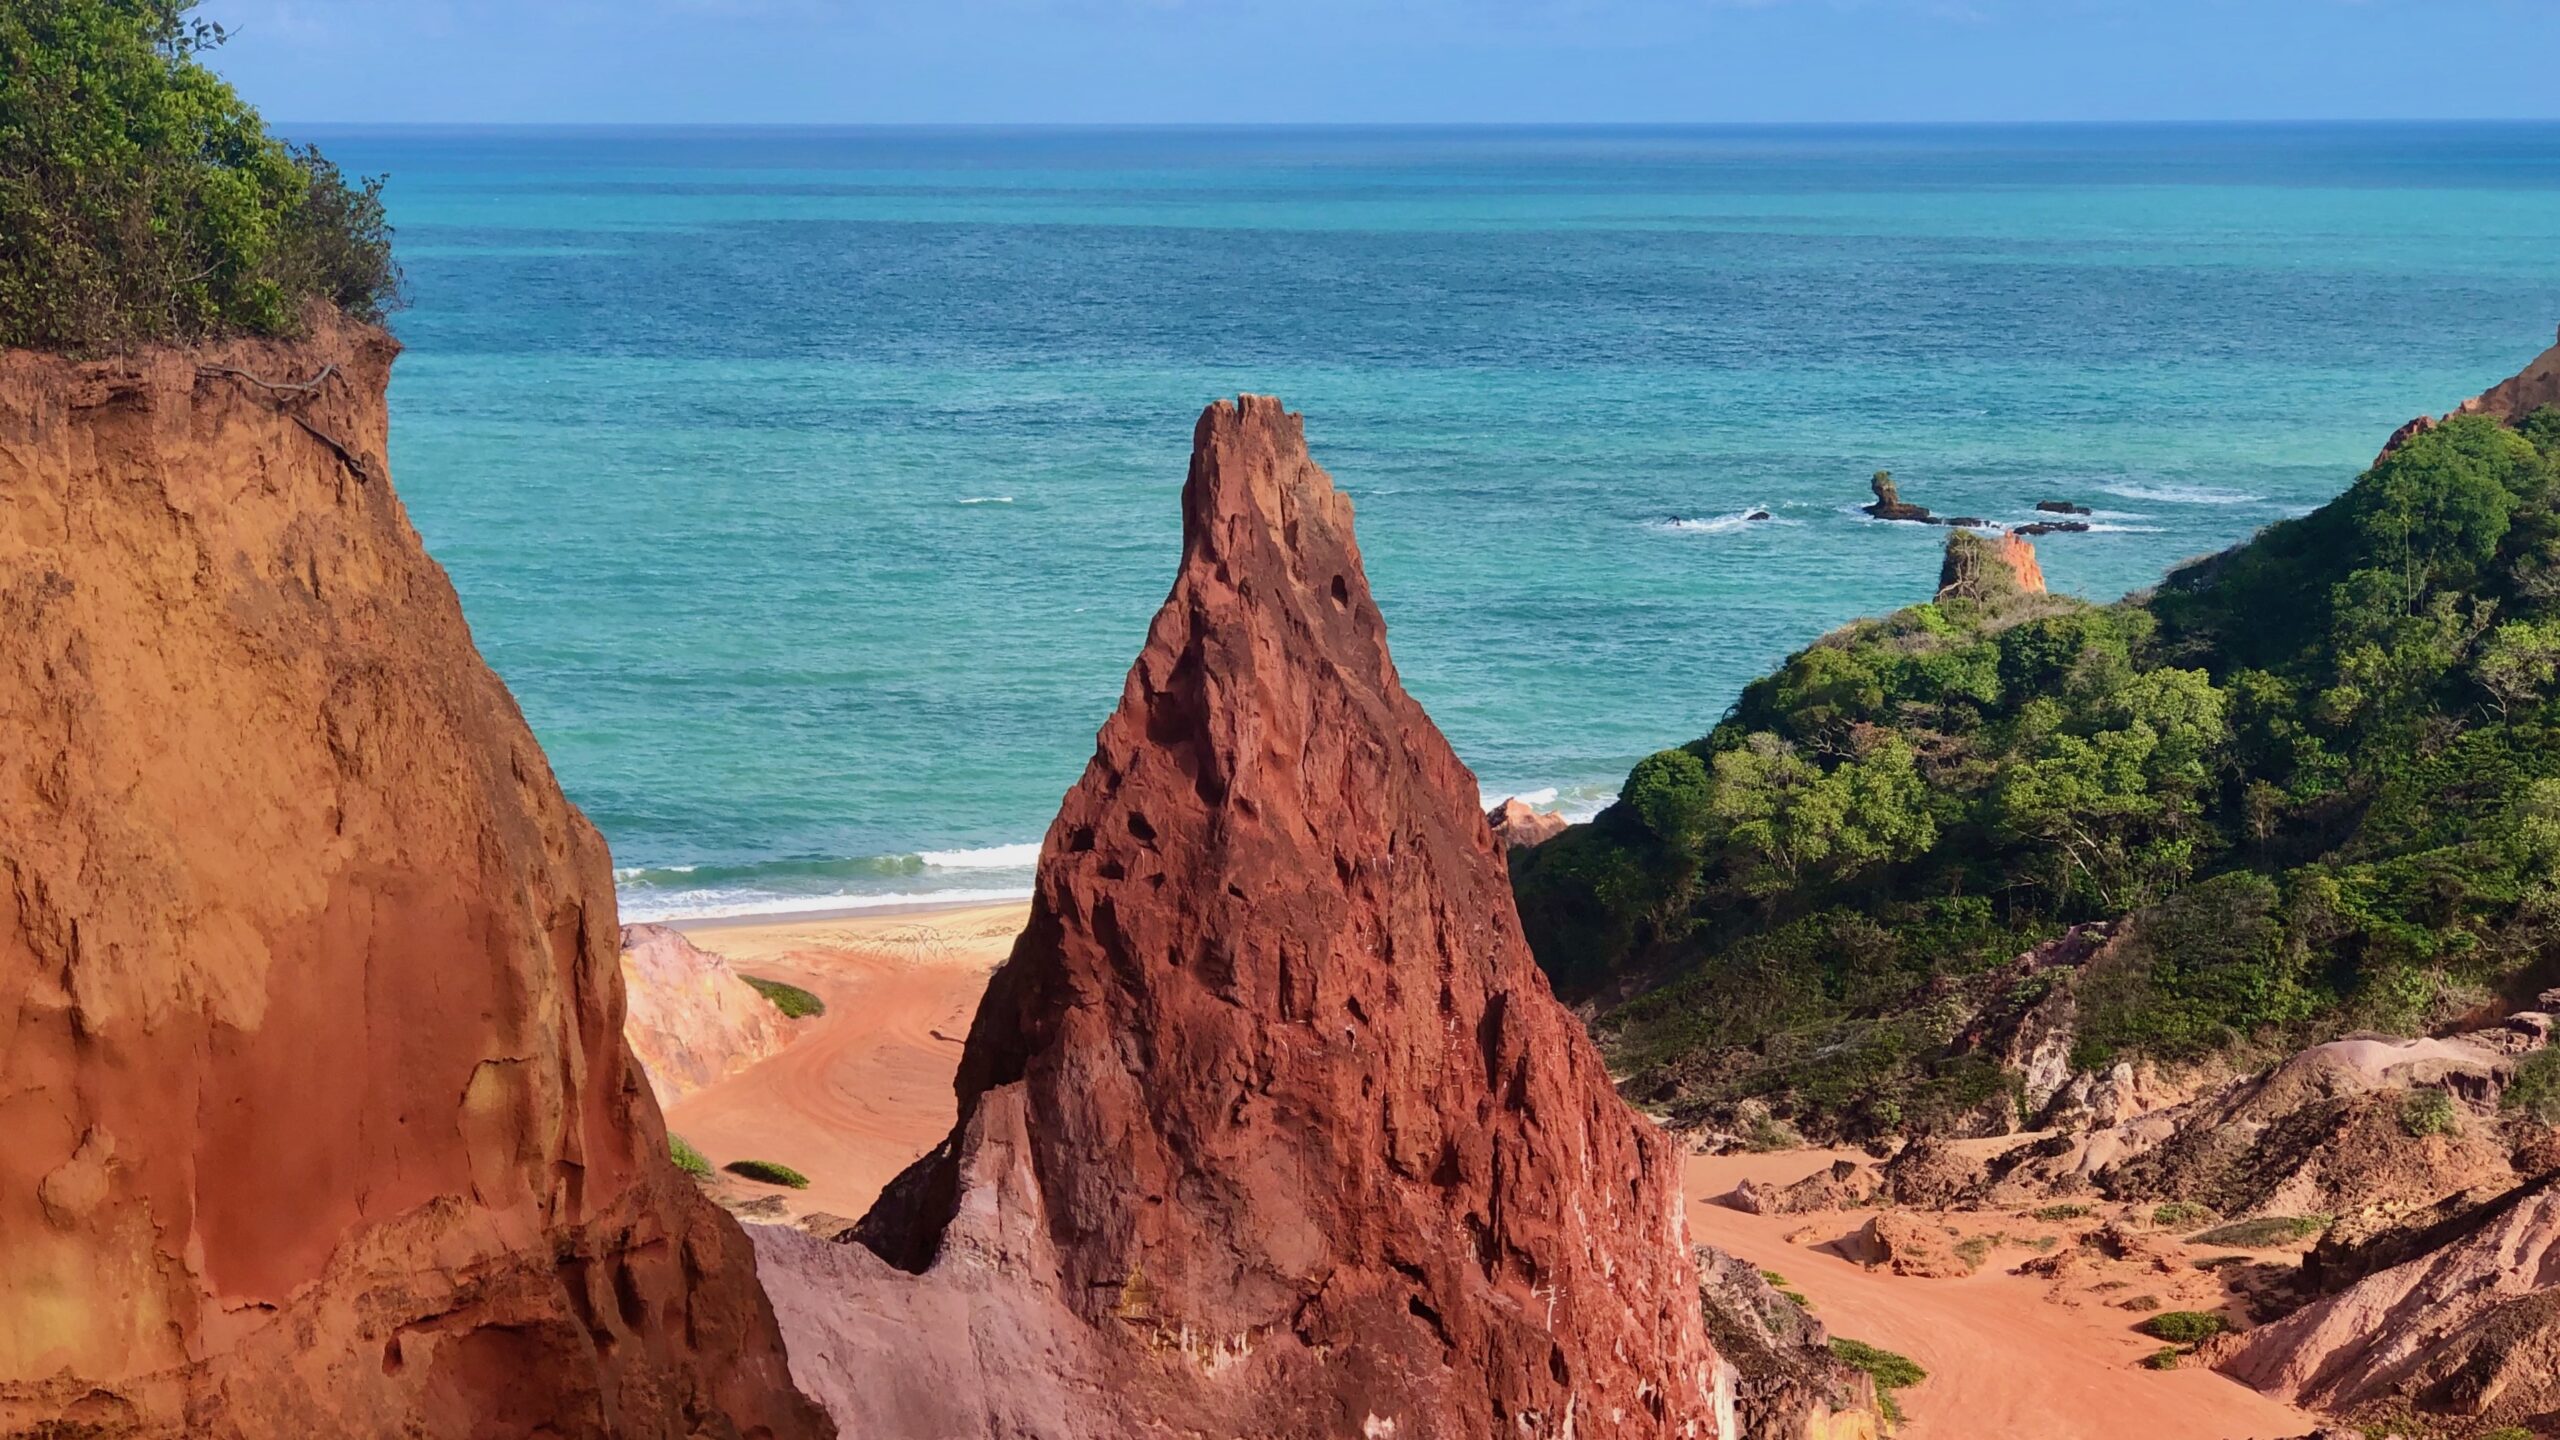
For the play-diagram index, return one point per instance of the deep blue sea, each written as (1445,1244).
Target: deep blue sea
(813,489)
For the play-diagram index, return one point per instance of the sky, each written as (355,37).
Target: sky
(1387,61)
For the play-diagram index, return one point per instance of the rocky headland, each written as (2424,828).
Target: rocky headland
(320,1116)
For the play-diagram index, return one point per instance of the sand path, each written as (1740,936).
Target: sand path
(866,1088)
(2004,1362)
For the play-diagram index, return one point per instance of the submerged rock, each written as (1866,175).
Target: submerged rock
(2063,507)
(320,1119)
(1270,1124)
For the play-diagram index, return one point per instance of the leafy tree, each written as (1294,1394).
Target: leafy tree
(141,199)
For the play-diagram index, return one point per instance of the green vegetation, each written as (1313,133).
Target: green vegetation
(768,1172)
(2184,1327)
(2269,1233)
(2164,1358)
(791,1000)
(2182,1215)
(2507,1432)
(688,1159)
(2536,1090)
(2056,1214)
(2429,1111)
(142,200)
(1891,1372)
(2319,775)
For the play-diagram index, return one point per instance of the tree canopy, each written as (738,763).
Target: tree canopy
(142,200)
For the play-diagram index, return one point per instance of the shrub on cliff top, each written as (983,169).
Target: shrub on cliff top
(142,200)
(688,1159)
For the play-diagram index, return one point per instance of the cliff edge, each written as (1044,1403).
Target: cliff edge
(320,1117)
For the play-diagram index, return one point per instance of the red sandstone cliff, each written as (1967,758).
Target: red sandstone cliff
(320,1121)
(1270,1124)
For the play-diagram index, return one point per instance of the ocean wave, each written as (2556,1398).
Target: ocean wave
(726,904)
(2100,527)
(986,499)
(991,857)
(2182,494)
(1719,524)
(1576,803)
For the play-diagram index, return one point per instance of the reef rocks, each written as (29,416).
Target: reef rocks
(690,1019)
(1520,827)
(1270,1125)
(2063,507)
(320,1120)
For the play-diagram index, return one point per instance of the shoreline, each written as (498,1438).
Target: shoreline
(830,914)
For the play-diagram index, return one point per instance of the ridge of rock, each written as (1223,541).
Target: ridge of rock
(320,1117)
(1982,568)
(1270,1124)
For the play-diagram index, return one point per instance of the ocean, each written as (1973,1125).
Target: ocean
(813,488)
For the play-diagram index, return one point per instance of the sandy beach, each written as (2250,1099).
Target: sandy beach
(867,1088)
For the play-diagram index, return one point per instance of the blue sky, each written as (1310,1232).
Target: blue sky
(1154,61)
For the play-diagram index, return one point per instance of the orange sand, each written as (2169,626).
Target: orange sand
(2004,1363)
(866,1088)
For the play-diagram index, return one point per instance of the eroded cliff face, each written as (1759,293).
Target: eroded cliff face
(689,1017)
(1270,1125)
(319,1115)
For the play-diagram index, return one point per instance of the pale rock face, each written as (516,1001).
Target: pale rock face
(1521,827)
(319,1115)
(690,1020)
(1270,1125)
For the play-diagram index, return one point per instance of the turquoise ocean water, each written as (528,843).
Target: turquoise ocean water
(812,489)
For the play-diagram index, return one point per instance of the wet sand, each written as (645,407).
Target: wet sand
(866,1088)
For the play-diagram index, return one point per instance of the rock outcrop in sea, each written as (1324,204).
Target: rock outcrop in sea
(319,1116)
(689,1017)
(1984,568)
(1522,826)
(1270,1125)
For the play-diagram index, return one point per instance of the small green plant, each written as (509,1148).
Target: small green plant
(2536,1090)
(1774,1278)
(688,1159)
(2184,1327)
(1975,1249)
(2056,1214)
(2182,1215)
(2164,1358)
(2267,1233)
(2508,1432)
(794,1002)
(1891,1372)
(768,1173)
(2429,1111)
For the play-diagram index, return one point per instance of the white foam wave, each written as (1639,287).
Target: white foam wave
(2182,494)
(2097,527)
(725,904)
(1576,803)
(986,499)
(992,857)
(1719,524)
